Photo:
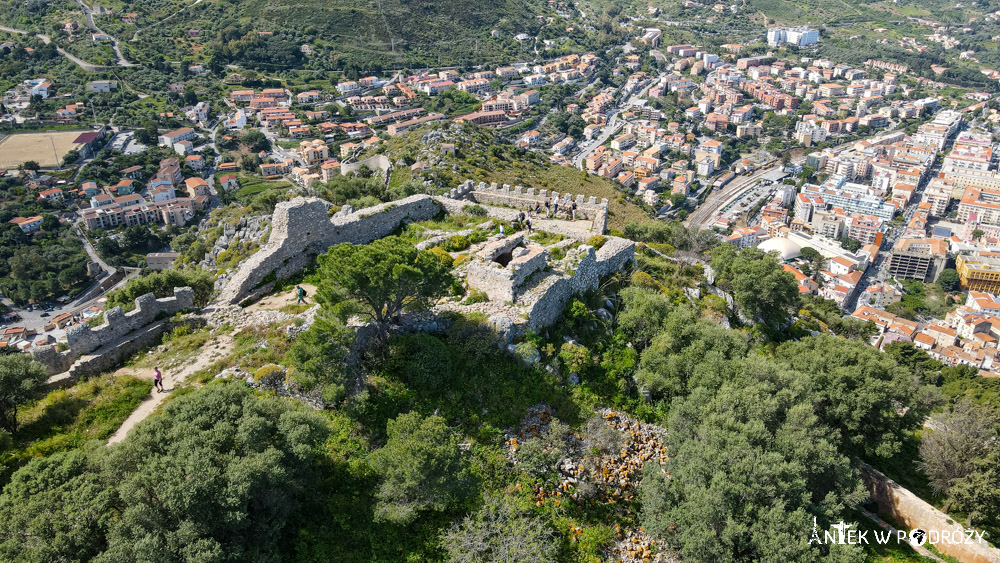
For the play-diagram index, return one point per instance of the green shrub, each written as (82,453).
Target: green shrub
(421,361)
(476,296)
(442,255)
(597,241)
(456,243)
(476,210)
(270,374)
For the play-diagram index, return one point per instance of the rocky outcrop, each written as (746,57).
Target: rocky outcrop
(252,230)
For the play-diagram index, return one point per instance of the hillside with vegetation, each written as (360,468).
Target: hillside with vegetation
(268,34)
(487,155)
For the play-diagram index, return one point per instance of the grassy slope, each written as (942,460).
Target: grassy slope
(473,163)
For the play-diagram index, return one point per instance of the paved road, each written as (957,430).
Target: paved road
(135,36)
(879,270)
(92,253)
(93,27)
(46,39)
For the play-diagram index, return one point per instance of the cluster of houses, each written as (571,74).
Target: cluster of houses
(170,199)
(966,336)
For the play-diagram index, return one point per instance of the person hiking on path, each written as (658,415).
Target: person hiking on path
(501,230)
(300,295)
(527,223)
(538,209)
(574,211)
(157,379)
(547,207)
(555,208)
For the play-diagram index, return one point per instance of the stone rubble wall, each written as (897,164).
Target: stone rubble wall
(545,302)
(378,162)
(500,283)
(118,327)
(83,339)
(302,229)
(913,512)
(522,198)
(112,355)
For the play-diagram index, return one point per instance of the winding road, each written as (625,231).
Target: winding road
(87,11)
(89,67)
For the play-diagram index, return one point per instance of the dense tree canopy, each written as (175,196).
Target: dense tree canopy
(499,531)
(422,468)
(20,378)
(162,284)
(861,393)
(762,289)
(751,466)
(220,475)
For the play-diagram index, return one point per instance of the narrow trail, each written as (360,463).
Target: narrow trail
(214,349)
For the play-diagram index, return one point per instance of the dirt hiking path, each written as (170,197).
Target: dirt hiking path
(213,349)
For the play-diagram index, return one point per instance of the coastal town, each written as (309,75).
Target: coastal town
(539,301)
(884,185)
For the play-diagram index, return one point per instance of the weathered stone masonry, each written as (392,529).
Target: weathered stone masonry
(913,512)
(301,229)
(118,327)
(522,198)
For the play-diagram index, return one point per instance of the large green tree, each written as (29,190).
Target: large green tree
(686,352)
(643,313)
(763,290)
(751,465)
(422,468)
(955,441)
(20,379)
(864,396)
(385,276)
(221,475)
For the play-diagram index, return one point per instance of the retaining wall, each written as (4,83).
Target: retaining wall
(909,509)
(302,229)
(377,162)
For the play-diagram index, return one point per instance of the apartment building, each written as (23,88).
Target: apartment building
(864,228)
(183,134)
(938,195)
(177,211)
(918,259)
(980,205)
(979,271)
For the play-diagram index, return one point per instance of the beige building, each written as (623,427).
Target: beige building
(161,260)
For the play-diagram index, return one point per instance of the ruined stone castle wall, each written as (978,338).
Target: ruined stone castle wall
(83,339)
(301,229)
(546,301)
(525,199)
(118,326)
